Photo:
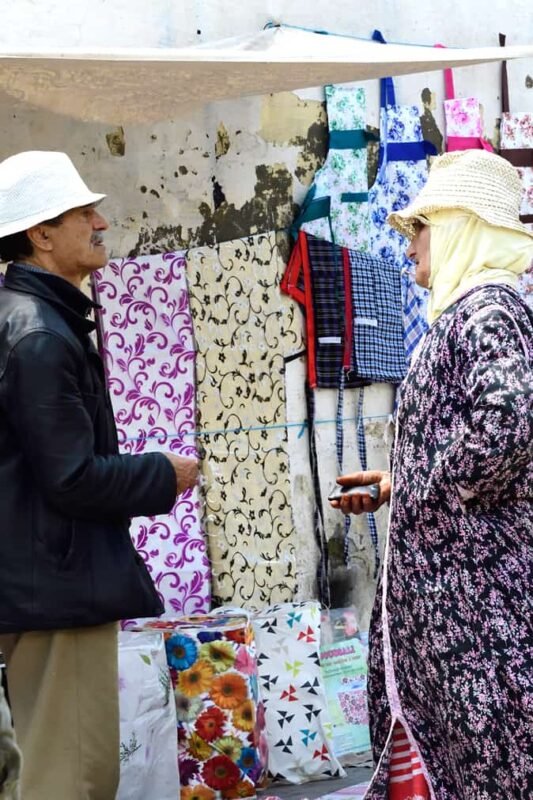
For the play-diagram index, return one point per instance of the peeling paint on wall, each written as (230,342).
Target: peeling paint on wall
(288,120)
(222,144)
(271,208)
(372,152)
(285,117)
(116,141)
(312,153)
(430,129)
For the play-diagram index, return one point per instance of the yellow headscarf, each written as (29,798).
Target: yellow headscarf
(465,252)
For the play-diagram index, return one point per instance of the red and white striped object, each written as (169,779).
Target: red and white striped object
(406,778)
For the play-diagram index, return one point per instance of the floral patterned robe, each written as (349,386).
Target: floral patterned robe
(451,637)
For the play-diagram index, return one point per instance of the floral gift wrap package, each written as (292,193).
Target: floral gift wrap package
(222,751)
(148,767)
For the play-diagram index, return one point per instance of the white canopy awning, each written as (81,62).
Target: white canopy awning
(136,85)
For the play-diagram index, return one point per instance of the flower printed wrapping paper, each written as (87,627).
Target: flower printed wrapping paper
(222,747)
(148,742)
(298,726)
(149,357)
(244,328)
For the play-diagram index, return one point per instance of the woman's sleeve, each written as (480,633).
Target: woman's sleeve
(495,447)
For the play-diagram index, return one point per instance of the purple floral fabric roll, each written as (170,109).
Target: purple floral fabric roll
(150,358)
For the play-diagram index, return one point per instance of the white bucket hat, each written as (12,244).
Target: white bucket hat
(475,181)
(38,185)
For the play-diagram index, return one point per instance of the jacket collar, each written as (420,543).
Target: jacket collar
(72,303)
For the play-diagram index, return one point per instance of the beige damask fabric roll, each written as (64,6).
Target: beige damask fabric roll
(244,329)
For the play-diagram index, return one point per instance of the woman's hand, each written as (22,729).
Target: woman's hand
(363,503)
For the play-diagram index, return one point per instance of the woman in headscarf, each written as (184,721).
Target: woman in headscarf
(450,670)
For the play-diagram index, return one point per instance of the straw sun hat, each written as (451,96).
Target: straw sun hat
(475,181)
(38,185)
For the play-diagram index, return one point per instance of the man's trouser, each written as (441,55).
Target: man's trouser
(63,691)
(9,755)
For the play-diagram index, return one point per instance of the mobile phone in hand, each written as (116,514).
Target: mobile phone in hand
(348,491)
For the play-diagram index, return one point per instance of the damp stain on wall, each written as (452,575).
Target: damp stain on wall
(430,129)
(312,153)
(161,239)
(270,208)
(218,194)
(372,153)
(222,143)
(287,120)
(116,141)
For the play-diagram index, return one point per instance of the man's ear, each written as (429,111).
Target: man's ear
(39,237)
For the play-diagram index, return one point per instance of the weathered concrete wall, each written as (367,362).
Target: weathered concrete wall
(236,167)
(243,166)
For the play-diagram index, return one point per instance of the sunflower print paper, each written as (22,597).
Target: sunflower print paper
(222,748)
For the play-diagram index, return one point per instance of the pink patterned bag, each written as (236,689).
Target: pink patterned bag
(464,122)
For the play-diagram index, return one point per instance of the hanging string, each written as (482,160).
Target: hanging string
(342,35)
(303,425)
(361,446)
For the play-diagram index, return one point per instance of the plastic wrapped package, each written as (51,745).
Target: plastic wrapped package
(148,742)
(343,658)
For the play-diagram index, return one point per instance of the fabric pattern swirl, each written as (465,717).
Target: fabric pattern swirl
(149,358)
(244,328)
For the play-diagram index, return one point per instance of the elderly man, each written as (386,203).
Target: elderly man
(68,568)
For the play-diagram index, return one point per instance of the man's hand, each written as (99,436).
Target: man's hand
(363,503)
(186,470)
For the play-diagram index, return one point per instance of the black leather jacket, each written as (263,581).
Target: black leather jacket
(66,496)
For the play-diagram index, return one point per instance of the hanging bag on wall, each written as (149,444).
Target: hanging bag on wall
(516,143)
(336,206)
(402,172)
(464,122)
